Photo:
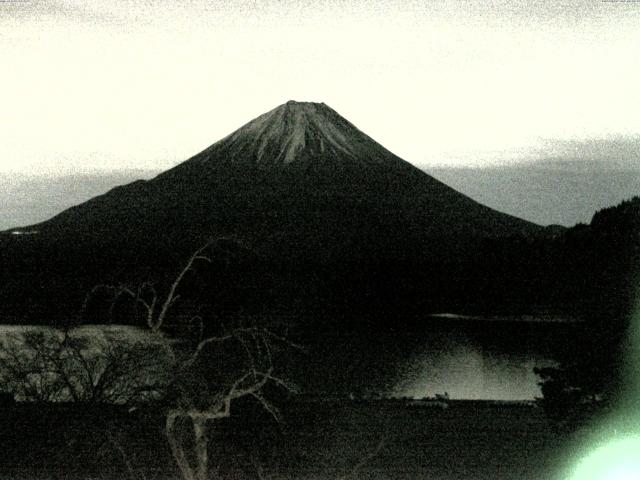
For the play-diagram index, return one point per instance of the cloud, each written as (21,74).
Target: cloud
(53,12)
(150,82)
(613,152)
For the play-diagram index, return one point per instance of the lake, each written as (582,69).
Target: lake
(466,357)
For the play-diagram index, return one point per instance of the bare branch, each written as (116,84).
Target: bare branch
(271,409)
(353,473)
(171,296)
(201,346)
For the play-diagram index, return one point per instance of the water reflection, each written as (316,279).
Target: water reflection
(469,358)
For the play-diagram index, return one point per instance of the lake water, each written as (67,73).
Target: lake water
(468,366)
(469,358)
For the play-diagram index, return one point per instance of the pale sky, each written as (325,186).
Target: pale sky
(92,85)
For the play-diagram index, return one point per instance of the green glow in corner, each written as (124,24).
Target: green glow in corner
(618,460)
(615,450)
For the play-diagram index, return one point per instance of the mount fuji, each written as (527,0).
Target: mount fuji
(322,206)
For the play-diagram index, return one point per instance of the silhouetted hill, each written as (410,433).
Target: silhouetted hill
(600,274)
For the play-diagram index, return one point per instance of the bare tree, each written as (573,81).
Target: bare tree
(59,366)
(201,394)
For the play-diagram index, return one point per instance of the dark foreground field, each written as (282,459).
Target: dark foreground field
(464,441)
(315,440)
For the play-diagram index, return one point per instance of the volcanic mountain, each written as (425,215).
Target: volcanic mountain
(299,186)
(301,164)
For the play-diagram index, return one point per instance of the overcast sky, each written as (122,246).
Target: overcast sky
(146,84)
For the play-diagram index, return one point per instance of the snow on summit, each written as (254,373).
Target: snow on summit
(299,133)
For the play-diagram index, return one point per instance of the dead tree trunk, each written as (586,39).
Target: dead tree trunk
(201,448)
(177,450)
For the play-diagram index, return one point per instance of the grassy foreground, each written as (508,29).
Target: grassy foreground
(329,439)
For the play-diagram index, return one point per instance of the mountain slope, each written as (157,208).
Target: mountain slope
(28,199)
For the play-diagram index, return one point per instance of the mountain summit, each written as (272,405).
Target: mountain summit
(295,132)
(297,136)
